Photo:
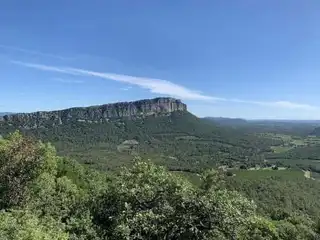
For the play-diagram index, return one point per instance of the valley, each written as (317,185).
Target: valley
(159,120)
(265,161)
(109,136)
(180,140)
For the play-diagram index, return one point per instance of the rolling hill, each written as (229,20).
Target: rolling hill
(227,121)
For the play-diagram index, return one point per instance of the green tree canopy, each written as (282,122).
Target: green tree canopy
(43,196)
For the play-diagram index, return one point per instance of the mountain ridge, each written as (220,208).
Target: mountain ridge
(161,129)
(98,113)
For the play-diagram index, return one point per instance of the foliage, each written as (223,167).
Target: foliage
(30,180)
(61,199)
(23,225)
(278,191)
(147,202)
(21,162)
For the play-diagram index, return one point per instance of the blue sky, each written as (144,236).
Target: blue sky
(248,58)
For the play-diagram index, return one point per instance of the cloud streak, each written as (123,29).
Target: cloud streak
(32,52)
(281,104)
(289,105)
(162,87)
(153,85)
(126,88)
(64,80)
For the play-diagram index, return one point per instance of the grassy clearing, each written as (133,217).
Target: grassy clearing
(258,174)
(290,139)
(298,142)
(290,142)
(280,149)
(277,136)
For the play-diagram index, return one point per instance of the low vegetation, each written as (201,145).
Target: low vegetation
(44,196)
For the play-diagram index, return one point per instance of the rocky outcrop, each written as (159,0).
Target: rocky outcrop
(101,113)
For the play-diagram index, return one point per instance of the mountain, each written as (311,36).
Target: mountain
(96,114)
(161,129)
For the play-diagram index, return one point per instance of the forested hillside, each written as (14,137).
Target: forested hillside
(180,141)
(156,175)
(44,196)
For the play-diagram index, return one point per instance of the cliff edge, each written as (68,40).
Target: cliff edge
(101,113)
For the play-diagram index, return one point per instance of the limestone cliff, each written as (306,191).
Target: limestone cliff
(101,113)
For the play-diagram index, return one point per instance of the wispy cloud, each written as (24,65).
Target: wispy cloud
(154,85)
(32,52)
(163,87)
(65,80)
(281,104)
(290,105)
(126,88)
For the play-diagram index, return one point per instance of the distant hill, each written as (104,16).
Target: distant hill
(291,127)
(161,129)
(5,113)
(293,121)
(227,121)
(267,122)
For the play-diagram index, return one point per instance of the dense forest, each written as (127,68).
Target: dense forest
(44,196)
(180,141)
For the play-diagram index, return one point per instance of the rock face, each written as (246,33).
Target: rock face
(102,113)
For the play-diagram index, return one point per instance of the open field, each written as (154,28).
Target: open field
(259,174)
(280,149)
(292,140)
